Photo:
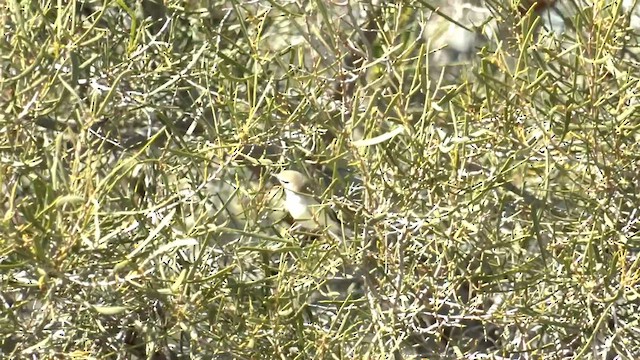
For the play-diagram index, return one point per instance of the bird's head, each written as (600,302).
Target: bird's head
(291,180)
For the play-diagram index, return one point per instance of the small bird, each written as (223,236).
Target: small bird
(303,207)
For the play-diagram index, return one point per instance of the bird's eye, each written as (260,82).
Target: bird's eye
(284,181)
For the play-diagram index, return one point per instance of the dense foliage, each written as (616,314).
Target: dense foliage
(482,154)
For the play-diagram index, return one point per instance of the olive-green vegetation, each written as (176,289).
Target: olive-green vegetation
(484,163)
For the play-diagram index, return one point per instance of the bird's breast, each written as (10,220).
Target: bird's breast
(297,206)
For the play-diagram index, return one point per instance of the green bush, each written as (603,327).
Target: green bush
(483,159)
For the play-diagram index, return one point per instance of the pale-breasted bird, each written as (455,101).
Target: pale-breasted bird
(304,208)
